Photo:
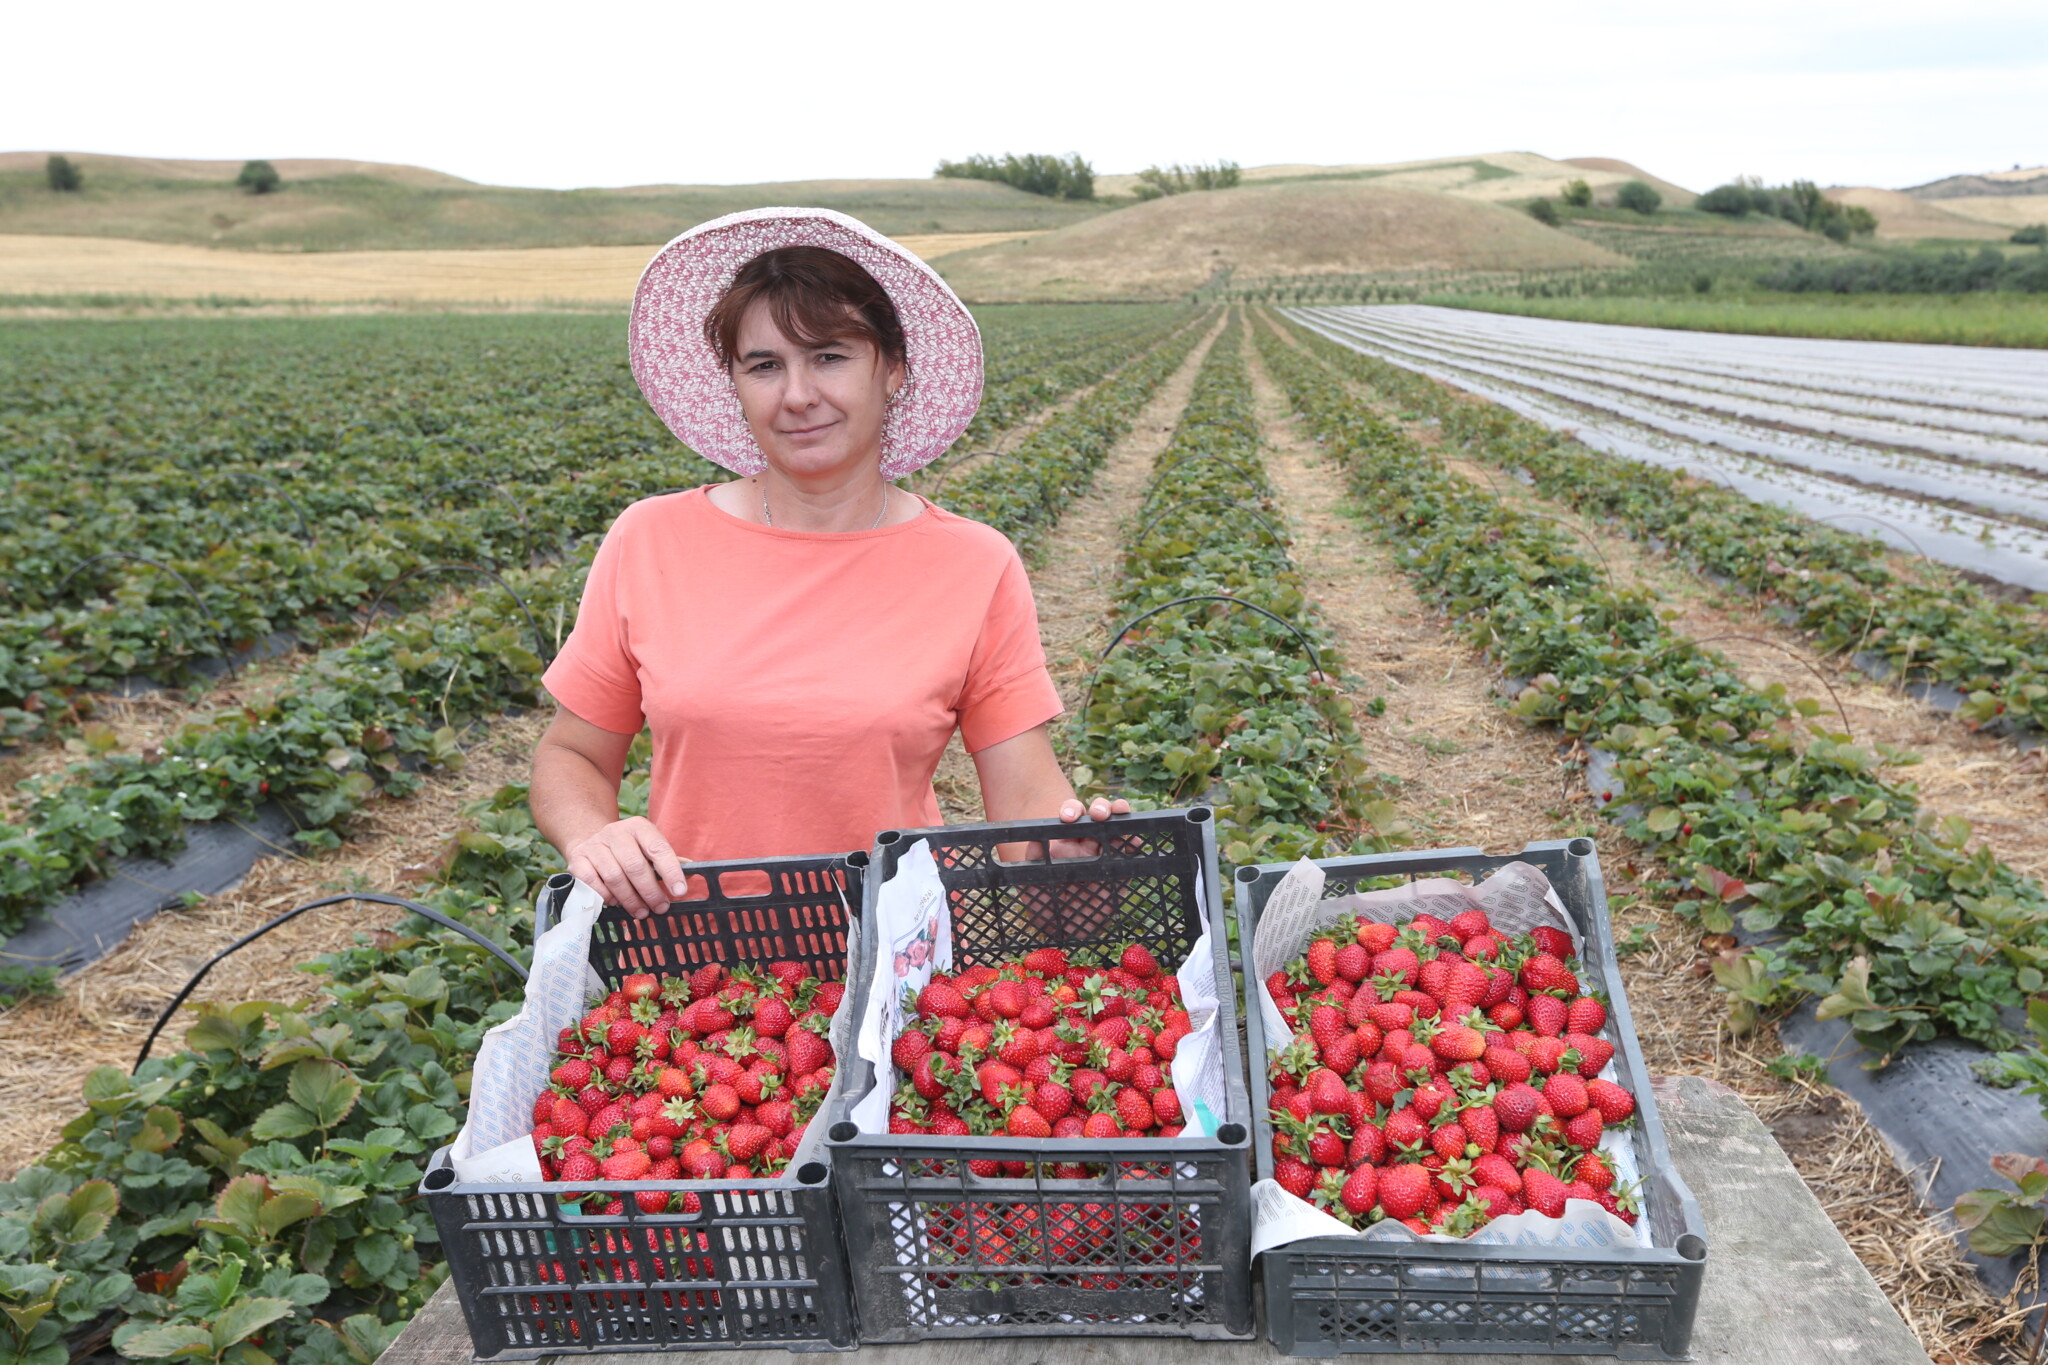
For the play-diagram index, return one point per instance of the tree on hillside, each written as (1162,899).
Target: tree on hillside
(1639,196)
(1055,177)
(1800,203)
(259,177)
(1156,182)
(1544,212)
(64,173)
(1578,194)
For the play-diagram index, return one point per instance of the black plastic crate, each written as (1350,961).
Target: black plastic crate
(762,1264)
(1160,1243)
(1329,1296)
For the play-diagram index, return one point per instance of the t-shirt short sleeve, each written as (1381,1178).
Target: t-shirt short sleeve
(1008,689)
(596,676)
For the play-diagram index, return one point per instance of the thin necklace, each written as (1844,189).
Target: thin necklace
(770,519)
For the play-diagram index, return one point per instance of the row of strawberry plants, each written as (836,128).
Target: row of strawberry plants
(1839,587)
(1214,703)
(1863,897)
(54,655)
(1023,493)
(1024,377)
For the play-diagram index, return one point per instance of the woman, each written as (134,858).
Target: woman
(804,640)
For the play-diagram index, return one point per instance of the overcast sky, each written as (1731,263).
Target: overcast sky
(1840,91)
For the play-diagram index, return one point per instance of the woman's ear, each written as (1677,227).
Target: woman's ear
(898,373)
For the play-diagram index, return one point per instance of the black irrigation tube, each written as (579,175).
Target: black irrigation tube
(951,465)
(227,655)
(1837,516)
(1314,661)
(305,531)
(547,655)
(377,898)
(518,508)
(1163,513)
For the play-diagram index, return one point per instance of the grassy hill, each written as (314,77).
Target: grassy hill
(1303,227)
(1902,217)
(1494,177)
(345,206)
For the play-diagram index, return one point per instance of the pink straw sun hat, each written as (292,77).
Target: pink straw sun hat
(690,389)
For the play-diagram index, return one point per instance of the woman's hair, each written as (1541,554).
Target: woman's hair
(814,295)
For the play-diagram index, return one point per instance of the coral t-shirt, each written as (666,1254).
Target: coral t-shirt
(801,686)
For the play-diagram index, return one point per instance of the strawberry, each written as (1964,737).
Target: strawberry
(773,1017)
(1045,962)
(1592,1170)
(1613,1102)
(1554,941)
(1294,1176)
(1404,1190)
(789,975)
(621,1037)
(573,1074)
(1482,1126)
(1353,962)
(1545,973)
(1053,1100)
(1547,1015)
(1496,1170)
(1587,1015)
(1322,960)
(1481,947)
(1368,1145)
(625,1166)
(1026,1122)
(1469,924)
(1327,1149)
(1139,962)
(1517,1107)
(744,1141)
(1448,1140)
(653,1201)
(640,986)
(1101,1125)
(1567,1095)
(1457,1043)
(1017,1046)
(1543,1192)
(721,1102)
(1390,1017)
(940,1001)
(1165,1104)
(1465,989)
(1006,999)
(1134,1110)
(1376,938)
(1594,1053)
(1406,1128)
(1506,1064)
(1583,1129)
(1547,1054)
(1326,1092)
(1506,1016)
(1361,1191)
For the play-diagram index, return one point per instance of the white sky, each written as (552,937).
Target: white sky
(561,95)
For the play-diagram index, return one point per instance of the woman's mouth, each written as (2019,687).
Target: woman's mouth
(809,431)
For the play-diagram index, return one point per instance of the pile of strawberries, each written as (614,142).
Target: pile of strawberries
(1047,1045)
(710,1076)
(1442,1075)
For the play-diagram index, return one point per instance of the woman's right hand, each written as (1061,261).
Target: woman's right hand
(632,864)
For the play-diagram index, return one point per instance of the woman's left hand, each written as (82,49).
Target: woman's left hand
(1071,811)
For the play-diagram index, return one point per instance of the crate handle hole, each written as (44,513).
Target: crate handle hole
(1580,848)
(1232,1135)
(1198,815)
(1693,1247)
(812,1173)
(744,882)
(1247,875)
(440,1178)
(843,1132)
(888,837)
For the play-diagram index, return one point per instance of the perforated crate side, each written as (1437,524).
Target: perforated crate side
(1158,1245)
(1331,1296)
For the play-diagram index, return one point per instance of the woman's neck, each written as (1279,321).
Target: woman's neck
(861,503)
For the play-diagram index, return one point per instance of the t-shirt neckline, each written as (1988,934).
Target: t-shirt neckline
(925,508)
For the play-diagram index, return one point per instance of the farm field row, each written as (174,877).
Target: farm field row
(1938,450)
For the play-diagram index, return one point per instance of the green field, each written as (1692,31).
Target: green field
(363,212)
(1957,320)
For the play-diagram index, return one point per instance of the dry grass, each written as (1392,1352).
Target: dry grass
(1902,217)
(48,1046)
(2007,210)
(42,265)
(1170,246)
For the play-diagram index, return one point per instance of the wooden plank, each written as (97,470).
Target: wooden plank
(1782,1287)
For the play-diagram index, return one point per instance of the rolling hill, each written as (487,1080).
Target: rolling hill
(1292,227)
(1495,176)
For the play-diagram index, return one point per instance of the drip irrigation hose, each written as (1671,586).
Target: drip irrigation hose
(518,508)
(227,654)
(951,465)
(1314,661)
(1837,516)
(377,898)
(547,654)
(1163,513)
(305,530)
(1614,684)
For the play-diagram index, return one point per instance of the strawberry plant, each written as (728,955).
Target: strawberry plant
(1885,912)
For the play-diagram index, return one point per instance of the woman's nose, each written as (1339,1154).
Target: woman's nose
(799,388)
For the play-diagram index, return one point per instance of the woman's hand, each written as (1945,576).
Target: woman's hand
(632,864)
(1071,811)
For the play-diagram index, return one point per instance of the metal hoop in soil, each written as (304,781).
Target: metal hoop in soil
(1314,660)
(376,898)
(1803,661)
(518,508)
(220,639)
(547,654)
(952,465)
(1837,516)
(1244,507)
(305,530)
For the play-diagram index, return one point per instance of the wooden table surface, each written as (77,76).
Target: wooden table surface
(1782,1287)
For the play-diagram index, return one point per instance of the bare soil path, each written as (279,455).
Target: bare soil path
(1074,584)
(1465,765)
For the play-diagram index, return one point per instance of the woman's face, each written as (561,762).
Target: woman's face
(815,410)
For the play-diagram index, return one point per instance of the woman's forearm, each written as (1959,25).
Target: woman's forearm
(571,798)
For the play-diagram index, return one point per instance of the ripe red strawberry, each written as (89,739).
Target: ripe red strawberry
(1166,1105)
(1583,1129)
(1481,947)
(721,1102)
(1482,1126)
(1567,1094)
(1551,940)
(625,1165)
(992,1077)
(1493,1169)
(940,1001)
(1017,1046)
(1293,1175)
(744,1141)
(1139,962)
(1322,960)
(653,1201)
(1045,962)
(1429,1098)
(578,1166)
(1327,1149)
(1457,1043)
(1404,1190)
(1134,1110)
(1113,1033)
(773,1017)
(1517,1106)
(1547,1015)
(1361,1191)
(1052,1100)
(1506,1016)
(1465,989)
(1506,1064)
(1594,1053)
(1391,1017)
(573,1074)
(1342,1055)
(621,1037)
(1469,924)
(1546,973)
(1448,1140)
(1006,998)
(1587,1015)
(1102,1125)
(1613,1102)
(1405,1128)
(1368,1145)
(1353,962)
(1326,1092)
(1547,1054)
(1383,1082)
(1543,1192)
(1592,1170)
(1026,1122)
(1376,938)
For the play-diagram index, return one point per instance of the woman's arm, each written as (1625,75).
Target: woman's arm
(1021,780)
(575,802)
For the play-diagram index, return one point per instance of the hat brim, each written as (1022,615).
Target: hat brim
(691,390)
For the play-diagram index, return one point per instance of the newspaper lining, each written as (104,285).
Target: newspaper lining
(1517,898)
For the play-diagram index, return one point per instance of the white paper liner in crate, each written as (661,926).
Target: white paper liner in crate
(913,923)
(1516,898)
(495,1145)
